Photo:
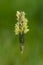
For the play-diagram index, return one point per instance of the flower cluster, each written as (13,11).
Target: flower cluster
(21,26)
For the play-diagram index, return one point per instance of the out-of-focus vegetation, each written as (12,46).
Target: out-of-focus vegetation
(9,43)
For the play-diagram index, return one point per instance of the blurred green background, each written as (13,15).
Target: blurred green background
(9,43)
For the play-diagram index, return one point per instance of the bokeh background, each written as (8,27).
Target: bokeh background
(9,42)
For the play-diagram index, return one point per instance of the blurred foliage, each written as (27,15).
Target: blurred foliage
(9,43)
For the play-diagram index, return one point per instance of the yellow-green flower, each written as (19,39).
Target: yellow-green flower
(21,26)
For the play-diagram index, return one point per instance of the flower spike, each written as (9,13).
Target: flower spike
(21,28)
